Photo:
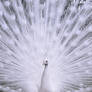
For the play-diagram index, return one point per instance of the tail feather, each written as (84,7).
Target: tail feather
(32,30)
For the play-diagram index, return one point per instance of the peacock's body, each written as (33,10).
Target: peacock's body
(36,31)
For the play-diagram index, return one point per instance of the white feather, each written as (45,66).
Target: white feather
(59,31)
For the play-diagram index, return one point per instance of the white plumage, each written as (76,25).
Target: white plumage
(36,31)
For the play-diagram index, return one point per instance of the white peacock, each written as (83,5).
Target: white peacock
(45,45)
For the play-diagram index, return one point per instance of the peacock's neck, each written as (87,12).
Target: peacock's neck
(44,79)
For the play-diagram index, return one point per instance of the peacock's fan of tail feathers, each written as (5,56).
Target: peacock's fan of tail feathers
(58,31)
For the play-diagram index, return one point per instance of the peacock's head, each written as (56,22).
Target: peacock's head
(45,62)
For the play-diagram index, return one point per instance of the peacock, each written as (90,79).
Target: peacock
(45,45)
